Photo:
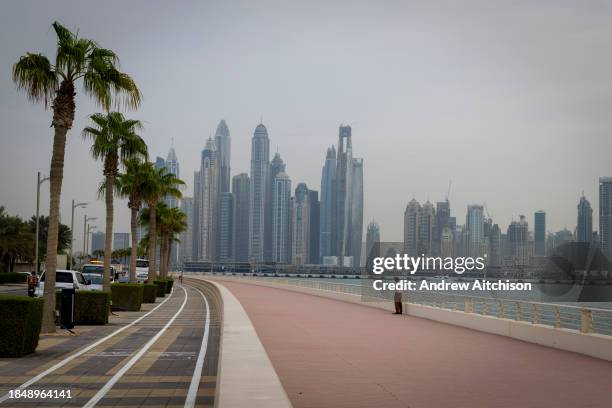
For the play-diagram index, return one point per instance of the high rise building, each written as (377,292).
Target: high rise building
(98,239)
(121,240)
(411,228)
(223,142)
(226,227)
(427,219)
(160,163)
(475,229)
(328,240)
(446,242)
(281,218)
(172,167)
(259,193)
(442,221)
(539,225)
(495,254)
(241,192)
(349,200)
(372,238)
(300,225)
(186,238)
(206,204)
(584,225)
(605,215)
(518,237)
(315,228)
(277,166)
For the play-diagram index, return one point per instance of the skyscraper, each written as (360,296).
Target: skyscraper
(205,204)
(372,238)
(121,240)
(349,200)
(226,227)
(539,225)
(259,194)
(427,220)
(495,246)
(241,192)
(186,238)
(475,228)
(277,166)
(315,228)
(328,240)
(223,142)
(411,228)
(281,218)
(172,166)
(605,215)
(442,221)
(98,239)
(518,236)
(300,225)
(584,225)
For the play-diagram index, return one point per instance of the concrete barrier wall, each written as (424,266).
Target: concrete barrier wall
(246,377)
(595,345)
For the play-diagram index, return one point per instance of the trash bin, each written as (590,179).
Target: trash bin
(67,309)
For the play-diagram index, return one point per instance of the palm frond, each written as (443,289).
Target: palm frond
(34,74)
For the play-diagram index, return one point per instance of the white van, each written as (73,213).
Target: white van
(142,270)
(64,279)
(94,272)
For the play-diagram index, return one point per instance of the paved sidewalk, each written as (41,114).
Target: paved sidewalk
(160,378)
(329,353)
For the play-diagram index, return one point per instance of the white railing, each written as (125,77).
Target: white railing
(583,319)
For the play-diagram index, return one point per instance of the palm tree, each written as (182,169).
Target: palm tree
(132,184)
(114,141)
(76,59)
(163,184)
(173,222)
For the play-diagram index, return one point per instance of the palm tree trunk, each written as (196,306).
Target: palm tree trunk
(152,243)
(134,249)
(168,254)
(63,116)
(108,244)
(162,256)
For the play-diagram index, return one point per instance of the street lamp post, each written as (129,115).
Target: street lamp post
(38,183)
(90,229)
(74,205)
(85,232)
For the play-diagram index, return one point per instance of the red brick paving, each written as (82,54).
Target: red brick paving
(329,353)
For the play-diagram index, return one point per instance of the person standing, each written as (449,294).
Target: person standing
(397,298)
(32,283)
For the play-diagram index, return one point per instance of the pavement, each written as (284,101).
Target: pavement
(329,353)
(160,376)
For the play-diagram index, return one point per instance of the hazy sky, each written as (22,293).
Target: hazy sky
(511,100)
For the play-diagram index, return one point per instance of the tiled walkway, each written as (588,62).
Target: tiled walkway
(160,378)
(329,353)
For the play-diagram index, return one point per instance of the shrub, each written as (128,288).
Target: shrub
(20,325)
(161,287)
(169,284)
(126,296)
(90,306)
(149,293)
(12,277)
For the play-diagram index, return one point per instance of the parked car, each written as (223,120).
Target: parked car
(64,279)
(142,270)
(96,281)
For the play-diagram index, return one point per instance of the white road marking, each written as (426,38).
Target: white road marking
(81,352)
(106,388)
(197,372)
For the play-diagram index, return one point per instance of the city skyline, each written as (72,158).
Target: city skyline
(429,99)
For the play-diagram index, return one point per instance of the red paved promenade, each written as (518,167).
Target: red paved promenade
(330,353)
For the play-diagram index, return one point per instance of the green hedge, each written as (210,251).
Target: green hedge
(127,296)
(12,277)
(169,284)
(91,307)
(149,293)
(161,287)
(20,325)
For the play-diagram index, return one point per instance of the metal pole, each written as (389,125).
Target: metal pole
(84,234)
(87,246)
(37,226)
(70,261)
